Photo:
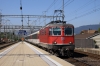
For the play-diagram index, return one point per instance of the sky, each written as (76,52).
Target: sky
(77,12)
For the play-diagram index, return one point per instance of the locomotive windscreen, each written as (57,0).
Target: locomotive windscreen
(55,31)
(68,31)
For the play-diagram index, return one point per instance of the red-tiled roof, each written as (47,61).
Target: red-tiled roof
(83,36)
(88,31)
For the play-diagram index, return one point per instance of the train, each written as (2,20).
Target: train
(57,37)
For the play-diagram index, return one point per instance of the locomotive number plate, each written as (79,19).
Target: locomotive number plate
(62,38)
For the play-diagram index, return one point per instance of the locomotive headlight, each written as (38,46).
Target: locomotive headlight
(55,42)
(70,42)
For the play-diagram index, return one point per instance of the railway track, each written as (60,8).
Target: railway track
(83,59)
(6,45)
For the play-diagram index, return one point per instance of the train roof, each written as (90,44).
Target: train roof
(34,33)
(58,23)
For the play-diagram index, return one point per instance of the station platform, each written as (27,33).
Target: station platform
(25,54)
(90,50)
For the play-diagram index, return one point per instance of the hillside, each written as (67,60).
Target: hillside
(86,27)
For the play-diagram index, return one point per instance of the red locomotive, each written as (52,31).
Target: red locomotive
(57,37)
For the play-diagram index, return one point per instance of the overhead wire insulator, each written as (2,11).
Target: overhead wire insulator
(20,4)
(21,8)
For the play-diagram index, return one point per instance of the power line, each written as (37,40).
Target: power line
(64,4)
(93,8)
(83,6)
(51,4)
(69,3)
(58,9)
(88,13)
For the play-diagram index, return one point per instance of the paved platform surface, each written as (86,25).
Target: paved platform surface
(90,50)
(24,54)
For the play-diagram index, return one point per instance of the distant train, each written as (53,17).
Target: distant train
(57,37)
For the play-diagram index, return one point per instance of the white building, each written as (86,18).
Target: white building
(97,39)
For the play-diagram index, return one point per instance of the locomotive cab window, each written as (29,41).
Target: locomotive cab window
(68,31)
(55,31)
(50,31)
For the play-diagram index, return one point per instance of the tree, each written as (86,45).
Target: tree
(99,30)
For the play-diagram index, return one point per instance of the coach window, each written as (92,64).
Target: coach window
(68,31)
(57,31)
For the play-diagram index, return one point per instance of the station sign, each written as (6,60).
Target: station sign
(22,32)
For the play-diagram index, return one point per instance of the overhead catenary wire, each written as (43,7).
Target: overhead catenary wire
(81,7)
(64,4)
(82,14)
(68,3)
(57,9)
(51,4)
(88,13)
(88,10)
